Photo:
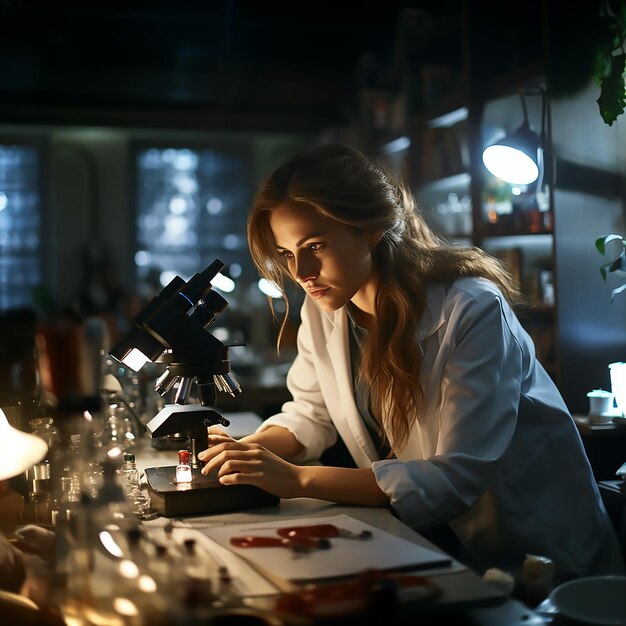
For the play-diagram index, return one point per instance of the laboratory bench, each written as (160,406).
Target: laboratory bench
(462,597)
(431,588)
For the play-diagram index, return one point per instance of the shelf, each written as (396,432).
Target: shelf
(395,144)
(525,77)
(449,118)
(461,179)
(489,232)
(585,426)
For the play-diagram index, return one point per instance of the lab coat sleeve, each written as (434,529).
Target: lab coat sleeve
(306,416)
(480,391)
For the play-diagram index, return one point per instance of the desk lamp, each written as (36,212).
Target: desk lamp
(516,158)
(18,450)
(172,329)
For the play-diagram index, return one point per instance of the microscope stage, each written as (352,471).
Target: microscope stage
(202,496)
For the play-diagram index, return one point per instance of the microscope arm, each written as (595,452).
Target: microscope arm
(190,419)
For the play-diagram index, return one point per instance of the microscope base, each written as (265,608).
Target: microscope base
(203,496)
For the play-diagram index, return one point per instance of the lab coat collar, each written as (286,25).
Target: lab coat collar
(432,319)
(434,314)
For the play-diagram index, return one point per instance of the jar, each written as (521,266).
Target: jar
(44,428)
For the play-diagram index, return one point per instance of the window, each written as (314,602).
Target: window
(21,215)
(192,205)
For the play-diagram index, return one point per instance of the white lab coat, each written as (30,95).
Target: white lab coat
(495,452)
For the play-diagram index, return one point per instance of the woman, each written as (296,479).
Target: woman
(410,352)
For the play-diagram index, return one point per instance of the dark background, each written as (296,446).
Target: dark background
(247,65)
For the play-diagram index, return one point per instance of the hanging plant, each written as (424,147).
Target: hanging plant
(617,265)
(611,60)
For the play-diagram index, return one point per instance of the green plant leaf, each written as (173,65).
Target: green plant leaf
(602,241)
(603,270)
(612,94)
(619,264)
(617,291)
(602,57)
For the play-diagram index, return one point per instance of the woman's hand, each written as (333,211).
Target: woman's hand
(257,460)
(244,463)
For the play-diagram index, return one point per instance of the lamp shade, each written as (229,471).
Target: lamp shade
(515,158)
(18,450)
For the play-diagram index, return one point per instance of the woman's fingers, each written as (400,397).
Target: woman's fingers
(214,449)
(216,455)
(235,462)
(217,430)
(239,465)
(249,478)
(214,440)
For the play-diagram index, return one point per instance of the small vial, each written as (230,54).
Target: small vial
(183,469)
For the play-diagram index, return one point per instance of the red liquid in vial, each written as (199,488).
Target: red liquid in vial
(183,469)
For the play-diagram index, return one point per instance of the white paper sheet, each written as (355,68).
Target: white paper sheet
(346,557)
(246,580)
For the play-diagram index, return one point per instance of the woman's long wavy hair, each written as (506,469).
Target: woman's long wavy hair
(343,184)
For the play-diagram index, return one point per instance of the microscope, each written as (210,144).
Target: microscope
(172,329)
